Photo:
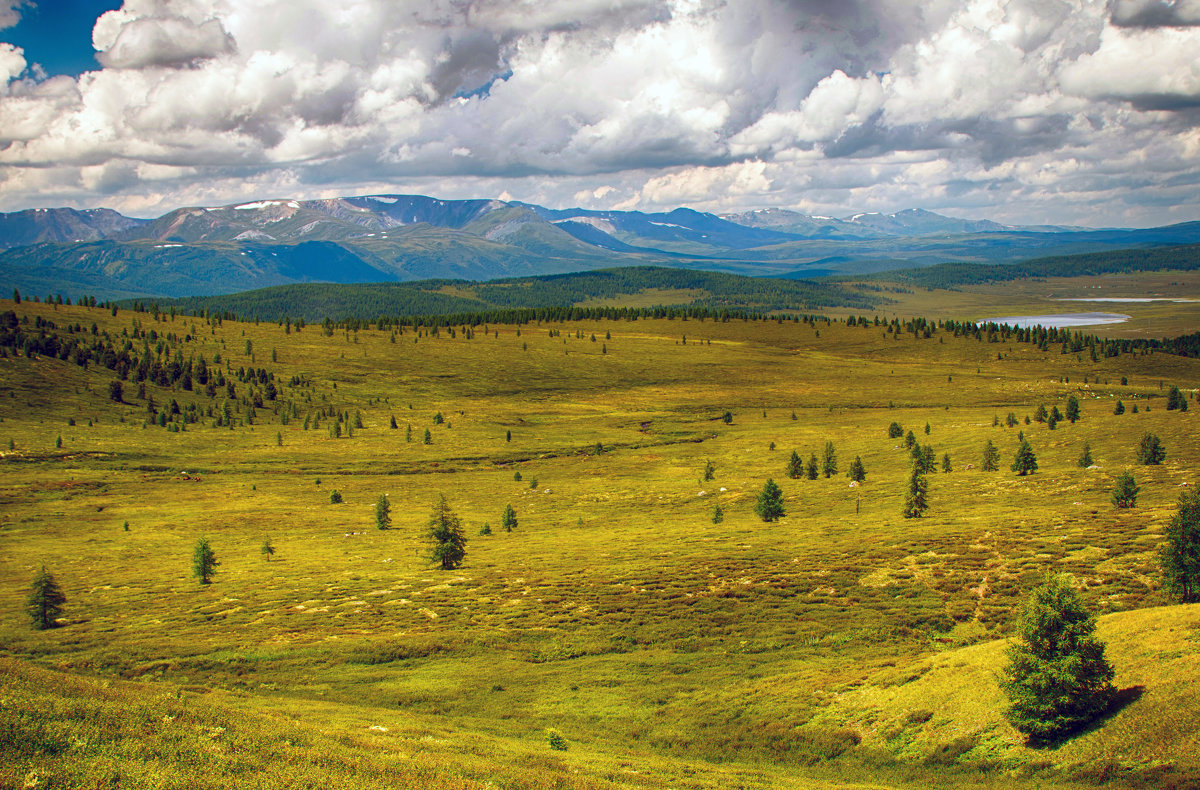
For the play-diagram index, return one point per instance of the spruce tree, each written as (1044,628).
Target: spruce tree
(1057,679)
(895,431)
(858,472)
(795,466)
(991,457)
(1119,408)
(946,465)
(509,519)
(718,515)
(710,470)
(811,470)
(769,505)
(829,460)
(916,496)
(1125,491)
(446,537)
(1041,414)
(204,561)
(909,440)
(1072,409)
(1025,462)
(1150,451)
(383,512)
(428,437)
(45,601)
(1085,458)
(1180,553)
(1176,400)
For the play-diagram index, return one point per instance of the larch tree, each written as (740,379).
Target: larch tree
(45,601)
(446,537)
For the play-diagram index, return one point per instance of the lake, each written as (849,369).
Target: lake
(1060,320)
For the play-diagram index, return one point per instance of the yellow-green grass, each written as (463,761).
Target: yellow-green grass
(617,612)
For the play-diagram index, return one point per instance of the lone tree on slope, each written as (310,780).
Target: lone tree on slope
(916,497)
(509,519)
(829,460)
(45,601)
(858,472)
(1026,462)
(1072,409)
(795,466)
(1056,679)
(1150,451)
(204,561)
(383,512)
(769,505)
(1180,554)
(446,537)
(991,457)
(1125,491)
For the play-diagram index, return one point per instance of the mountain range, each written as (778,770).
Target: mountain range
(378,238)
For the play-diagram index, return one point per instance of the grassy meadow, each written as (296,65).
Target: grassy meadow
(841,646)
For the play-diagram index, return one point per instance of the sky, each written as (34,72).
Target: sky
(1025,111)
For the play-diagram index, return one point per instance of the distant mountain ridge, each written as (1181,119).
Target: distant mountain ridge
(391,238)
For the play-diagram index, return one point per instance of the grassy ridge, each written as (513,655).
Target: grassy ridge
(953,275)
(668,650)
(711,290)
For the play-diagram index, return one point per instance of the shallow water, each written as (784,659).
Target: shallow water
(1060,320)
(1126,299)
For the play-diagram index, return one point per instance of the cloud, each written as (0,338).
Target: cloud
(10,12)
(1155,13)
(125,42)
(1151,68)
(857,104)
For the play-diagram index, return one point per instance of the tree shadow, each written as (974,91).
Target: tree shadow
(1121,700)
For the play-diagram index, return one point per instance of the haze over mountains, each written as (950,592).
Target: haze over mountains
(223,249)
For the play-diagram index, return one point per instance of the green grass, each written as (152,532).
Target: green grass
(667,651)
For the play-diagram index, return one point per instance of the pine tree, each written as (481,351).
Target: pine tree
(1180,553)
(1072,409)
(1150,451)
(858,472)
(769,505)
(428,437)
(446,538)
(1041,414)
(45,601)
(509,519)
(393,424)
(946,465)
(1085,458)
(916,497)
(811,470)
(204,561)
(895,431)
(909,440)
(727,418)
(718,515)
(1057,679)
(1176,400)
(1025,462)
(1125,491)
(335,497)
(267,550)
(710,470)
(1119,408)
(795,466)
(991,457)
(829,460)
(383,512)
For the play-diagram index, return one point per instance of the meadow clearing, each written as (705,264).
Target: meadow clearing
(618,637)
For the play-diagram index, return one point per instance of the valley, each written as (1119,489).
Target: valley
(843,645)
